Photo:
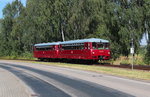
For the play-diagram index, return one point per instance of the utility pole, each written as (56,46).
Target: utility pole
(132,52)
(132,36)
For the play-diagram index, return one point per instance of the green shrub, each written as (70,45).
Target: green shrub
(125,62)
(27,55)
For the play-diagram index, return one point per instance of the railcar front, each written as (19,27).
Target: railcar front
(100,50)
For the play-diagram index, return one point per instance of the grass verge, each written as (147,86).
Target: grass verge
(135,74)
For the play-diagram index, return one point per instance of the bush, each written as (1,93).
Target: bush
(124,62)
(27,55)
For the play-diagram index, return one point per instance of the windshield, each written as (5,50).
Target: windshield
(100,45)
(106,46)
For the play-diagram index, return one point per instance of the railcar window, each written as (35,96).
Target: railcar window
(88,45)
(43,48)
(106,46)
(94,45)
(76,46)
(100,46)
(81,47)
(54,47)
(59,47)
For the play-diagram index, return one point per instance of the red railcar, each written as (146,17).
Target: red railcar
(87,49)
(46,50)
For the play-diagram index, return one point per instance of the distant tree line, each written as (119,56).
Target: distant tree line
(118,21)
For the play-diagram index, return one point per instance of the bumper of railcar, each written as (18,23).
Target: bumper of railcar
(100,55)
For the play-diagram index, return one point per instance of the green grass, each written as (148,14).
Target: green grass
(25,55)
(135,74)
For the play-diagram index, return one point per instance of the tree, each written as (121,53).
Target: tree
(7,24)
(47,20)
(146,27)
(11,36)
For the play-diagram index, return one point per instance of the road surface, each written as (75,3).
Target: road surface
(51,81)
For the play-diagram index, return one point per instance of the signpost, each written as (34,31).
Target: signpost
(132,52)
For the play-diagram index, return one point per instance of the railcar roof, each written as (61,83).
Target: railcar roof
(74,41)
(46,44)
(85,40)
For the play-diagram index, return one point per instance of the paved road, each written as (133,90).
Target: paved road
(50,81)
(11,86)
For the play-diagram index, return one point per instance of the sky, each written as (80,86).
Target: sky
(3,3)
(143,41)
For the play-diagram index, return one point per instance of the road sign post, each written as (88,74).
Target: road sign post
(132,52)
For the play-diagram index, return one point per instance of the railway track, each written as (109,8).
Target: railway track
(127,66)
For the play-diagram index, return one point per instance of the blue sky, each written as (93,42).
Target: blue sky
(143,41)
(3,3)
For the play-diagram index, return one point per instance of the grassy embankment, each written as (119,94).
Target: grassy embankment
(26,56)
(138,60)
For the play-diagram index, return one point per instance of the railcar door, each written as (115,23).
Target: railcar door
(86,50)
